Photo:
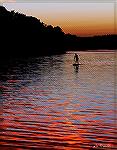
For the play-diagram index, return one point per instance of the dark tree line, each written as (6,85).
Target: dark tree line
(22,35)
(26,35)
(92,43)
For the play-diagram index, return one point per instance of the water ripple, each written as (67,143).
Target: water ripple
(46,103)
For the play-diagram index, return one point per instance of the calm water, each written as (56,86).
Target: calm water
(46,103)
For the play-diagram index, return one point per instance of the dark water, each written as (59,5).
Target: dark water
(46,103)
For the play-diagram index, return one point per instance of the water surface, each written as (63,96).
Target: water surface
(47,103)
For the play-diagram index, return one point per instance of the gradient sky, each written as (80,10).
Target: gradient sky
(83,19)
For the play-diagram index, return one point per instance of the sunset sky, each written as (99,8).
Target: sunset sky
(83,19)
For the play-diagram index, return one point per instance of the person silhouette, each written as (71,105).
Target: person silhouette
(76,58)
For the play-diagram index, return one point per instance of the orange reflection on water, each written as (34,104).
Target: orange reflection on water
(73,113)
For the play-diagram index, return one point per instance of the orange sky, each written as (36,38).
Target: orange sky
(83,19)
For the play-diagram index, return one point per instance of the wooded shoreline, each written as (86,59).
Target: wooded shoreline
(24,36)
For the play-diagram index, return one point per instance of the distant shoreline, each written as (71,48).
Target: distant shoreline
(100,50)
(94,51)
(27,36)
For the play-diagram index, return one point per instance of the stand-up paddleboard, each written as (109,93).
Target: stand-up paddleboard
(76,64)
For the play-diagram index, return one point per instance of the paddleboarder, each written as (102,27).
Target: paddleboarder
(76,58)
